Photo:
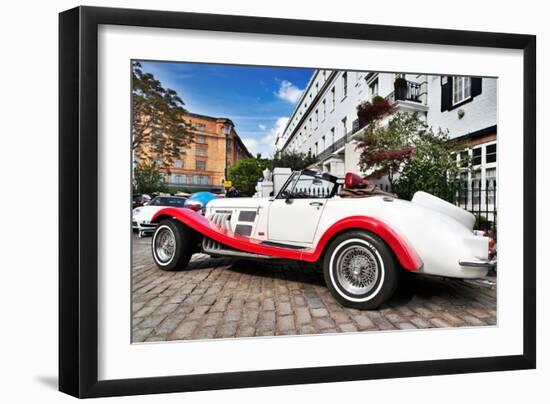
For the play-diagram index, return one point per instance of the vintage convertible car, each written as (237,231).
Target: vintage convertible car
(142,215)
(362,237)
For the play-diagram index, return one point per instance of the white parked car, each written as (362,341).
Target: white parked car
(142,216)
(362,236)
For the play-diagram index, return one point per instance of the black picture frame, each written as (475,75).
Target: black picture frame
(78,196)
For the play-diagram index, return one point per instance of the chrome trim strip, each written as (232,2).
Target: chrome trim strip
(478,263)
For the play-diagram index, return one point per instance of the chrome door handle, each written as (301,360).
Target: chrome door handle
(316,203)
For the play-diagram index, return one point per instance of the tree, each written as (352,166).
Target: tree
(159,130)
(293,160)
(148,178)
(432,167)
(376,109)
(387,147)
(410,154)
(245,174)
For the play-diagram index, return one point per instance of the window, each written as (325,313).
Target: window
(476,156)
(200,139)
(324,109)
(201,179)
(332,134)
(178,163)
(316,88)
(333,98)
(179,178)
(316,118)
(476,187)
(491,180)
(461,89)
(200,165)
(200,126)
(373,88)
(344,85)
(491,153)
(464,158)
(309,184)
(463,189)
(201,151)
(344,126)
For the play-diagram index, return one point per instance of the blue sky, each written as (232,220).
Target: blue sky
(259,100)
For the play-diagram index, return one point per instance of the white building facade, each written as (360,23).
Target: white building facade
(467,108)
(325,122)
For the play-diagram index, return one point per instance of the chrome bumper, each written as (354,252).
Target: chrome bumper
(489,264)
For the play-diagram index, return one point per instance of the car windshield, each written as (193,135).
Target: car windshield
(310,184)
(167,201)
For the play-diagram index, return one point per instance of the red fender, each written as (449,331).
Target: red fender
(404,252)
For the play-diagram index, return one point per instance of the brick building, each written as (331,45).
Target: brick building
(203,166)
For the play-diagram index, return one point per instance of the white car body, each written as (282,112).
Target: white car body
(141,219)
(362,237)
(441,234)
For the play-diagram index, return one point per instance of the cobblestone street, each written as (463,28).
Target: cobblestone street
(222,298)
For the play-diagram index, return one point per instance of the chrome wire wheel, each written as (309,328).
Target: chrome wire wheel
(164,244)
(357,269)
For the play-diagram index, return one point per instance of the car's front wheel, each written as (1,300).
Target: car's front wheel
(172,245)
(360,270)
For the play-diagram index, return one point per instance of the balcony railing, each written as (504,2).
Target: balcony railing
(410,92)
(332,148)
(355,126)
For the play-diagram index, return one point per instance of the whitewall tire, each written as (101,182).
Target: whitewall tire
(360,270)
(172,245)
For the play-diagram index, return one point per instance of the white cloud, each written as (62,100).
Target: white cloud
(289,92)
(262,126)
(266,143)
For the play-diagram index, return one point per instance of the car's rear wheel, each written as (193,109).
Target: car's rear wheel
(360,270)
(172,245)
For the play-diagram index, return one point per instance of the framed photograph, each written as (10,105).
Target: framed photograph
(251,201)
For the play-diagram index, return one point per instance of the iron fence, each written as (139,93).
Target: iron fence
(476,197)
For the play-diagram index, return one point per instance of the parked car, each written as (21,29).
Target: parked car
(140,200)
(142,215)
(198,201)
(363,238)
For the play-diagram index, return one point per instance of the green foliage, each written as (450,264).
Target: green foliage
(386,147)
(432,167)
(294,160)
(158,128)
(411,155)
(245,174)
(148,179)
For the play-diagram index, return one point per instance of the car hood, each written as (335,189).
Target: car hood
(146,212)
